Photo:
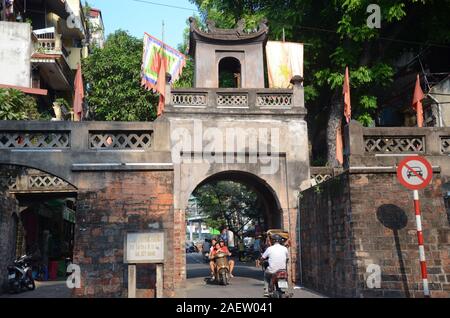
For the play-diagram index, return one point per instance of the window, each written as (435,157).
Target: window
(230,73)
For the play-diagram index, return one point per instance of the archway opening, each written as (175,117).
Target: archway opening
(230,73)
(43,227)
(248,207)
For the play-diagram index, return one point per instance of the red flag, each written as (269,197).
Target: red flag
(417,102)
(347,100)
(79,94)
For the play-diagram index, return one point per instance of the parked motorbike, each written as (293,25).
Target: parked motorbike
(279,287)
(222,268)
(20,275)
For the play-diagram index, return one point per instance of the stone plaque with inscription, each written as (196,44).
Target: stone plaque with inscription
(144,248)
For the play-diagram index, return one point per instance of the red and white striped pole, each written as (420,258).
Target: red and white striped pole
(423,262)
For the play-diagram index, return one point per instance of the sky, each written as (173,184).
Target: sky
(138,17)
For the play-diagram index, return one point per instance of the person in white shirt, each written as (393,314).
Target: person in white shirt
(277,256)
(230,242)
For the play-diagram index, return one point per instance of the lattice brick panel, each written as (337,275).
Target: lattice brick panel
(274,100)
(394,144)
(320,178)
(46,181)
(118,141)
(41,140)
(232,100)
(189,99)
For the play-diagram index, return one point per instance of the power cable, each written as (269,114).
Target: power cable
(165,5)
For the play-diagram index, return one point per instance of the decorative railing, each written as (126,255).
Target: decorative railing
(323,174)
(245,99)
(189,99)
(120,141)
(48,41)
(78,137)
(232,100)
(274,100)
(383,146)
(46,182)
(35,140)
(21,179)
(394,144)
(445,145)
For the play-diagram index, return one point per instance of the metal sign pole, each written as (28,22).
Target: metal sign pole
(423,263)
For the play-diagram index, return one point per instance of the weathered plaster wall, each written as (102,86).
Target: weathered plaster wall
(15,53)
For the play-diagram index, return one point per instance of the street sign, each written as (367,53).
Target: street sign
(415,173)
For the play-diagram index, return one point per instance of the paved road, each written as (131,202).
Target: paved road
(44,290)
(247,282)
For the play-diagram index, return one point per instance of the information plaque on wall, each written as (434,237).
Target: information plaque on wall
(145,248)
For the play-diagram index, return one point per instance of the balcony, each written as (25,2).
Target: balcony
(52,59)
(47,41)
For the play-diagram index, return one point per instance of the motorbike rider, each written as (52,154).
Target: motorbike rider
(212,265)
(220,247)
(277,256)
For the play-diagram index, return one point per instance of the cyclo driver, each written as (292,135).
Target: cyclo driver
(277,256)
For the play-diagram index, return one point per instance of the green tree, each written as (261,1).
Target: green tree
(227,203)
(113,75)
(15,105)
(336,34)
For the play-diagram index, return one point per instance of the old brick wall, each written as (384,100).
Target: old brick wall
(355,220)
(8,208)
(327,252)
(384,228)
(109,205)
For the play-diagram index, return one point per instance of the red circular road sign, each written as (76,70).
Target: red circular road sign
(415,173)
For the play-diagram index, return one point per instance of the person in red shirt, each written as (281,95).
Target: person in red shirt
(220,247)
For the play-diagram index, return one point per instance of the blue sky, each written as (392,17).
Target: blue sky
(138,17)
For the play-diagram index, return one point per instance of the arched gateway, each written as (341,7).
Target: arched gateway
(138,177)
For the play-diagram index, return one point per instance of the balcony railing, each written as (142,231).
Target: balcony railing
(383,146)
(237,100)
(65,136)
(49,42)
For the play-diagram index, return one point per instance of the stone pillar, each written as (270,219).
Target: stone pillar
(299,91)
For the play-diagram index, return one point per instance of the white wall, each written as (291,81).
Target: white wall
(15,54)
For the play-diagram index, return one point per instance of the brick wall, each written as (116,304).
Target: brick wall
(355,220)
(327,252)
(8,208)
(109,205)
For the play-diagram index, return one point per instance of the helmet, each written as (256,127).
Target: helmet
(276,239)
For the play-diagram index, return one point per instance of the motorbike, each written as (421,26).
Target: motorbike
(222,268)
(279,287)
(20,275)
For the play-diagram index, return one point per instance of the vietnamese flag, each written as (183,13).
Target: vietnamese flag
(417,102)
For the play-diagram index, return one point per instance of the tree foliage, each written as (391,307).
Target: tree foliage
(113,75)
(336,35)
(227,203)
(15,105)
